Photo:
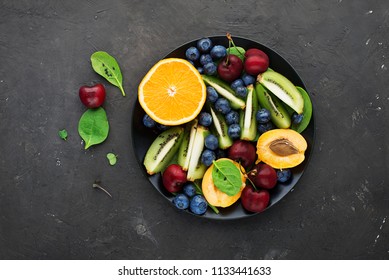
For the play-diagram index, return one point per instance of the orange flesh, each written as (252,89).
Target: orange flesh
(173,92)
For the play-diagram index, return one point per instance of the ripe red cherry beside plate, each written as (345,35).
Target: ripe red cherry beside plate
(92,96)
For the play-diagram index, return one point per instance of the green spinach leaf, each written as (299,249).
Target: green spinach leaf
(63,134)
(226,177)
(238,51)
(112,158)
(107,66)
(93,127)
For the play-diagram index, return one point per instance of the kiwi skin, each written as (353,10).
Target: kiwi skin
(278,112)
(281,87)
(157,157)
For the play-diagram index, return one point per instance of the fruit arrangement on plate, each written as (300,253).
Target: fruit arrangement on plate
(226,127)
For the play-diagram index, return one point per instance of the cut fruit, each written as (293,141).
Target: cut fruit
(172,92)
(220,129)
(225,90)
(281,87)
(187,144)
(248,121)
(307,112)
(278,113)
(281,148)
(216,197)
(196,168)
(163,149)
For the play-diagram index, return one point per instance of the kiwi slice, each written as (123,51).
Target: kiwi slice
(278,112)
(307,112)
(281,87)
(163,149)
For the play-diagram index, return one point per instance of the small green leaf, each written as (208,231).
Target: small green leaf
(227,177)
(63,134)
(238,51)
(112,158)
(93,127)
(106,65)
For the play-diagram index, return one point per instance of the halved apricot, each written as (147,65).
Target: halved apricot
(216,197)
(281,148)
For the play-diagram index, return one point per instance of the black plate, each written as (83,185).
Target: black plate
(143,137)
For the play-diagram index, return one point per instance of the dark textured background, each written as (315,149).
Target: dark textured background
(48,209)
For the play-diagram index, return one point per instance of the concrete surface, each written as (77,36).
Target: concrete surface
(48,208)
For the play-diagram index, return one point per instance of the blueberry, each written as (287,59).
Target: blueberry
(222,105)
(297,118)
(192,54)
(220,153)
(212,95)
(189,189)
(207,157)
(161,127)
(210,68)
(205,59)
(248,79)
(284,175)
(234,131)
(181,201)
(198,204)
(201,70)
(237,83)
(148,122)
(263,127)
(211,142)
(241,91)
(232,117)
(205,119)
(204,45)
(218,51)
(263,115)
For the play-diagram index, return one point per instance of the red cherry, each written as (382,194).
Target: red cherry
(255,64)
(251,52)
(230,68)
(263,176)
(92,96)
(254,201)
(174,178)
(243,151)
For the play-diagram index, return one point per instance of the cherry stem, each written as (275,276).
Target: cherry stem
(96,185)
(233,44)
(246,176)
(229,47)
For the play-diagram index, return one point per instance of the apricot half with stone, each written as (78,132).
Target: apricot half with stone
(216,197)
(281,148)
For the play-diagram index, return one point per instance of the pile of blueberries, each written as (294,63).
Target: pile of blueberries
(190,199)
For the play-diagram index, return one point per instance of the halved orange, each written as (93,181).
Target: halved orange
(172,92)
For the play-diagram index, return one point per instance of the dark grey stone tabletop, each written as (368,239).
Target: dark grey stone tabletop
(339,209)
